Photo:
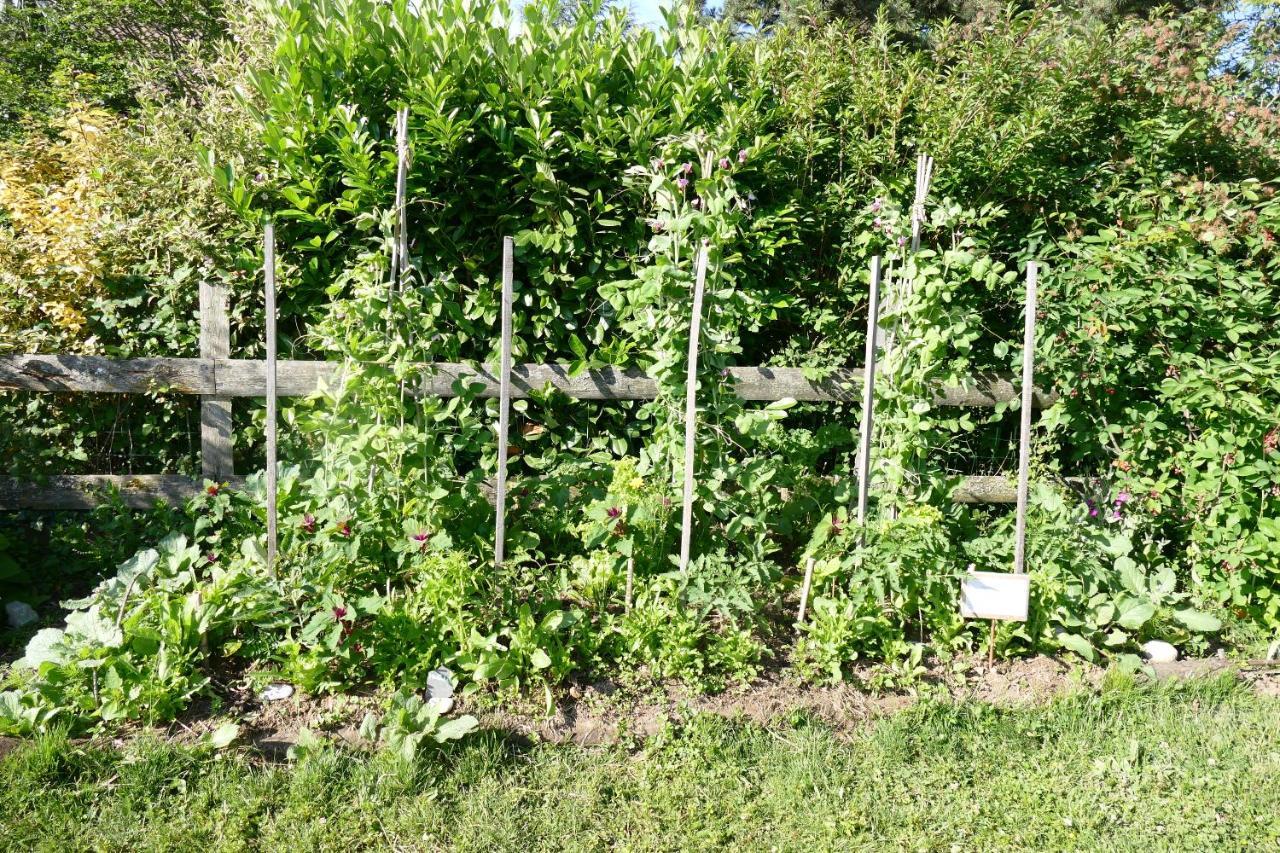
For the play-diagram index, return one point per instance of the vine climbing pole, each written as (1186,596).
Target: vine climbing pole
(504,403)
(269,278)
(691,406)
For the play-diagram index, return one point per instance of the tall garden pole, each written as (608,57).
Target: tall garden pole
(1024,438)
(504,402)
(269,270)
(868,396)
(691,406)
(402,181)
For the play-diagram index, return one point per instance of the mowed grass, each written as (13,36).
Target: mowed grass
(1193,767)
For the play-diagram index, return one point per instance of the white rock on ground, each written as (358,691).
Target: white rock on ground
(1158,651)
(276,692)
(19,614)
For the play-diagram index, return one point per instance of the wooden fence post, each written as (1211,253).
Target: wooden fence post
(504,402)
(269,275)
(216,460)
(691,407)
(868,396)
(1024,436)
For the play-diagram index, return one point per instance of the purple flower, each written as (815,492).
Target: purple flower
(1093,510)
(659,164)
(876,205)
(1123,498)
(877,222)
(421,538)
(742,155)
(339,613)
(613,512)
(724,163)
(308,524)
(682,182)
(687,168)
(1115,516)
(902,241)
(211,559)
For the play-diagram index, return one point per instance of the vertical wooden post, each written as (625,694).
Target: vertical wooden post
(401,265)
(631,574)
(215,412)
(269,271)
(504,401)
(868,395)
(1024,437)
(691,406)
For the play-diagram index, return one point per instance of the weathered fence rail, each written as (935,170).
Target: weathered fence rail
(247,378)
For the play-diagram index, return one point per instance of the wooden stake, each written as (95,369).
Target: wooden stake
(991,647)
(1024,437)
(269,270)
(215,411)
(401,265)
(504,402)
(691,406)
(868,395)
(804,592)
(631,573)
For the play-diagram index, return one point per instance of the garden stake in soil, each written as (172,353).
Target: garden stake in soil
(1024,437)
(504,402)
(691,406)
(868,398)
(804,592)
(269,270)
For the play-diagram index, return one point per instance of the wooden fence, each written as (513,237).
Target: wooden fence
(218,380)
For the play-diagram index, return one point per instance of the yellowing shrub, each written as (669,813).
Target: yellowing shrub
(53,223)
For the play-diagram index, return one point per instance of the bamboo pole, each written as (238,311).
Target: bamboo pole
(401,265)
(1024,436)
(631,573)
(269,275)
(504,402)
(691,406)
(804,592)
(868,396)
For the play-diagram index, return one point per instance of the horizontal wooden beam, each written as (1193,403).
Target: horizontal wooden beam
(142,491)
(85,491)
(247,378)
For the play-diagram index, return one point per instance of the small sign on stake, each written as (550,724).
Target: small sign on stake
(995,595)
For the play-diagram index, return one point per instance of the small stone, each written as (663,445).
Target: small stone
(20,614)
(1158,651)
(276,692)
(440,684)
(442,704)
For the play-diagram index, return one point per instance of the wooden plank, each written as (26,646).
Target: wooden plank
(269,284)
(504,403)
(867,426)
(1024,434)
(247,378)
(85,491)
(216,461)
(97,374)
(691,407)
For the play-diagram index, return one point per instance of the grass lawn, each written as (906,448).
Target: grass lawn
(1185,767)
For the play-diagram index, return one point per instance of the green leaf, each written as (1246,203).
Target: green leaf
(223,736)
(1198,620)
(47,646)
(1134,614)
(455,729)
(540,659)
(1076,643)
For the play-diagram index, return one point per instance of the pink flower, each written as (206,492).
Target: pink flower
(421,538)
(902,241)
(308,524)
(682,182)
(339,613)
(876,205)
(877,222)
(613,512)
(742,156)
(1123,498)
(724,163)
(687,168)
